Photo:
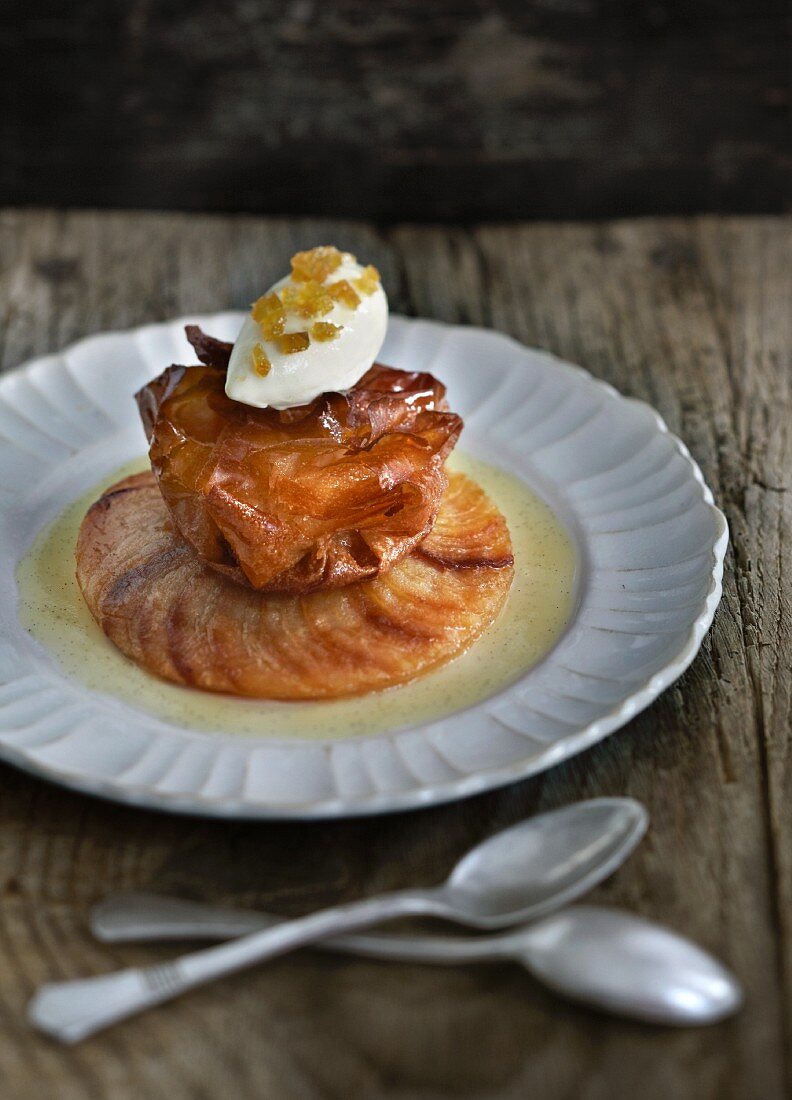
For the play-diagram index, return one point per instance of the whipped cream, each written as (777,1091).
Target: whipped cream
(336,364)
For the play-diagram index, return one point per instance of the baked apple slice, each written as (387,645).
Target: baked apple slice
(184,621)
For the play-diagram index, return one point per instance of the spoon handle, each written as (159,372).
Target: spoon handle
(72,1010)
(139,917)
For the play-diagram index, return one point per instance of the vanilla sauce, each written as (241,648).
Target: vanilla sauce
(538,607)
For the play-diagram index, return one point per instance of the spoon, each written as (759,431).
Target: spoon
(600,957)
(517,875)
(565,853)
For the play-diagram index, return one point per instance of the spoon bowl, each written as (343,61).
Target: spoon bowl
(627,966)
(542,864)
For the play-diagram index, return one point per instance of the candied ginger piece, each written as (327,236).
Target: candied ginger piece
(343,291)
(325,330)
(291,342)
(270,315)
(369,280)
(309,299)
(261,364)
(315,264)
(290,295)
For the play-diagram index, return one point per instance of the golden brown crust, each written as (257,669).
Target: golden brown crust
(314,497)
(187,623)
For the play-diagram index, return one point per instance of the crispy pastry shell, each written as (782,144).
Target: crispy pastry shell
(319,496)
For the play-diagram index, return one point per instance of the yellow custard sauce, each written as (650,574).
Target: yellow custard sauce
(538,606)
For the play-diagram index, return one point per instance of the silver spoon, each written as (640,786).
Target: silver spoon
(517,875)
(563,855)
(600,957)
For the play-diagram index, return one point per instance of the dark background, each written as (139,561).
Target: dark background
(398,109)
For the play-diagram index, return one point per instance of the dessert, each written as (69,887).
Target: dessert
(298,536)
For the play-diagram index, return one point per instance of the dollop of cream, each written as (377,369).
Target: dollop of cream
(332,365)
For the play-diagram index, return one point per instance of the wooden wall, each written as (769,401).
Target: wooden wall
(398,109)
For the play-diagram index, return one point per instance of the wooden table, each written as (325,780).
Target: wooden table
(444,111)
(691,315)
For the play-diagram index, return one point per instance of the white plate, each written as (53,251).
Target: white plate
(650,540)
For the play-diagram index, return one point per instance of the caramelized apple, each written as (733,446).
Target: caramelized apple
(318,496)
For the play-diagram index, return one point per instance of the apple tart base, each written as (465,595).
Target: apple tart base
(183,621)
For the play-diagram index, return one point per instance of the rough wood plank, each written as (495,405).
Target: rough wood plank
(692,316)
(454,111)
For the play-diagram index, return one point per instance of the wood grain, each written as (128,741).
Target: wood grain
(692,315)
(451,111)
